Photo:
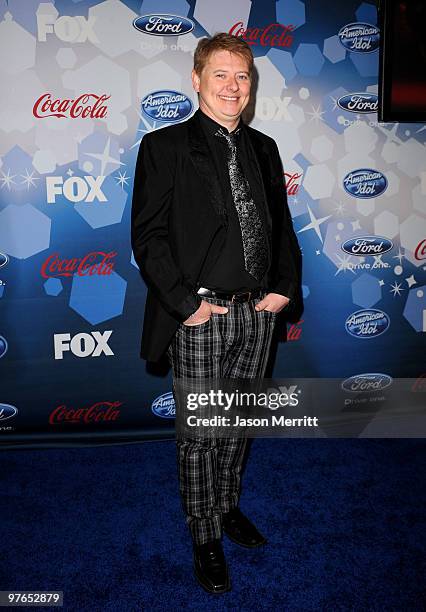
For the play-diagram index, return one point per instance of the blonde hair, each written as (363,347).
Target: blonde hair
(221,42)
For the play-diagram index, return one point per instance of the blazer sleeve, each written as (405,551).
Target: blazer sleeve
(151,242)
(287,264)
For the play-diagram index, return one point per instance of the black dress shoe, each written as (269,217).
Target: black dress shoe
(240,530)
(210,567)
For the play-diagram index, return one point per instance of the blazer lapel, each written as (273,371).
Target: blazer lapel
(260,158)
(202,160)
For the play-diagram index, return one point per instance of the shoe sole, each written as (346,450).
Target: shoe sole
(265,541)
(209,589)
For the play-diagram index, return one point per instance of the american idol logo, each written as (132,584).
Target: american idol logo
(361,103)
(367,245)
(365,383)
(170,106)
(3,259)
(367,323)
(3,346)
(164,406)
(359,37)
(365,183)
(7,411)
(163,25)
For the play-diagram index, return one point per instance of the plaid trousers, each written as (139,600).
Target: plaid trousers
(232,345)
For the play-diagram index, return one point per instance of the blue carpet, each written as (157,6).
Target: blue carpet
(345,521)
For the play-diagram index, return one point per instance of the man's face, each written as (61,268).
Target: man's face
(223,87)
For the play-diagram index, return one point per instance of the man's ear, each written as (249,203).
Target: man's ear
(195,81)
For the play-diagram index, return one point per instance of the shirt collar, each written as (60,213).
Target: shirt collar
(212,126)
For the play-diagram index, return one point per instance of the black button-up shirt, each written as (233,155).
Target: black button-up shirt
(228,272)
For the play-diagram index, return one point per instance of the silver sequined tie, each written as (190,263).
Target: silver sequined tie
(255,250)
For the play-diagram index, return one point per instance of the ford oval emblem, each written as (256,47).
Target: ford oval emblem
(3,346)
(365,183)
(171,106)
(164,406)
(163,25)
(3,259)
(361,103)
(7,411)
(360,246)
(360,37)
(365,383)
(367,323)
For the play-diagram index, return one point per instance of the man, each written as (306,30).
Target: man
(213,237)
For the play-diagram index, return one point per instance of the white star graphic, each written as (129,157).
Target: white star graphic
(316,114)
(105,157)
(396,289)
(149,128)
(355,225)
(122,179)
(381,283)
(314,224)
(340,209)
(7,180)
(70,172)
(344,264)
(317,252)
(337,237)
(29,179)
(399,256)
(411,281)
(378,261)
(335,105)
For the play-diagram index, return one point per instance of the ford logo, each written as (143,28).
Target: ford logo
(367,245)
(3,347)
(163,25)
(365,183)
(3,259)
(359,37)
(364,383)
(359,103)
(367,323)
(164,406)
(7,411)
(170,106)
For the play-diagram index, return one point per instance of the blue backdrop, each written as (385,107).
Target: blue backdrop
(82,82)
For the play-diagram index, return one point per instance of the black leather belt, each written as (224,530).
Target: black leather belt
(232,297)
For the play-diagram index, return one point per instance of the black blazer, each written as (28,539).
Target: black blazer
(177,226)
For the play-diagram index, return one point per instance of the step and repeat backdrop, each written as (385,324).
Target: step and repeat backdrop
(82,83)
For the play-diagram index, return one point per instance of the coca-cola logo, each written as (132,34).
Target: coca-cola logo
(420,252)
(292,183)
(96,263)
(87,105)
(99,412)
(272,35)
(294,331)
(419,385)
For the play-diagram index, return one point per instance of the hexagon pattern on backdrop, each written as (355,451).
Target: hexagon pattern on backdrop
(24,231)
(297,102)
(98,298)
